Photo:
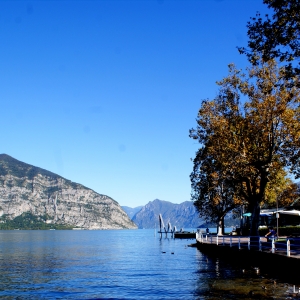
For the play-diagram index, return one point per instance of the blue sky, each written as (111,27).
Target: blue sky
(104,92)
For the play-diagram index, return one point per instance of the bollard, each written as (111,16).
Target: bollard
(239,243)
(288,248)
(217,242)
(249,243)
(206,237)
(259,244)
(273,245)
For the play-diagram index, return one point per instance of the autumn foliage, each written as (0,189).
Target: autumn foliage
(248,134)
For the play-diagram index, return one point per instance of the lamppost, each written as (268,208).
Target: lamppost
(242,220)
(277,215)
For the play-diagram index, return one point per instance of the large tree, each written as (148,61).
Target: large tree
(277,36)
(213,193)
(251,130)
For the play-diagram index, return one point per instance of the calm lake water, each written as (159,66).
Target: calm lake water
(121,264)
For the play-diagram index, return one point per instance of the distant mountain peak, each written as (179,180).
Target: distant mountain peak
(182,215)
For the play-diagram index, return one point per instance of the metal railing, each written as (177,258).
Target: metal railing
(284,246)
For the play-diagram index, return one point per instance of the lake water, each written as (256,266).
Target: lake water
(121,264)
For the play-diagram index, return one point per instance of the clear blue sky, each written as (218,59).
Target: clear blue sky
(104,92)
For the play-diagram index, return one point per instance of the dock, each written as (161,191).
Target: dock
(185,235)
(181,234)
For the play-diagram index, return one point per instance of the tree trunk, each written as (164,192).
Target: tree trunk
(221,227)
(255,214)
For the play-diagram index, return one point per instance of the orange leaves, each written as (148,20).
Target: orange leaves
(249,141)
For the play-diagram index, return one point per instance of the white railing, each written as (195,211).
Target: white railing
(288,247)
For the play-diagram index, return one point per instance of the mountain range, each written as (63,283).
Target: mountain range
(183,215)
(34,198)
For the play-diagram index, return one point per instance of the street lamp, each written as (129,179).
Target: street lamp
(277,215)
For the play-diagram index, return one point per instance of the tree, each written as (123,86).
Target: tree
(290,196)
(213,194)
(281,190)
(253,139)
(276,37)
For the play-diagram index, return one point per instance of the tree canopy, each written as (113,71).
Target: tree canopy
(277,36)
(250,132)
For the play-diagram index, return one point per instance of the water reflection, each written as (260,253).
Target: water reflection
(218,279)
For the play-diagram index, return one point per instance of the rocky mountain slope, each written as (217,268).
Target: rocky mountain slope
(52,199)
(183,215)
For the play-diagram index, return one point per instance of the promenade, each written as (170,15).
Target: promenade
(289,247)
(281,257)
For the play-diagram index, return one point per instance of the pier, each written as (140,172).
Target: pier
(173,232)
(163,229)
